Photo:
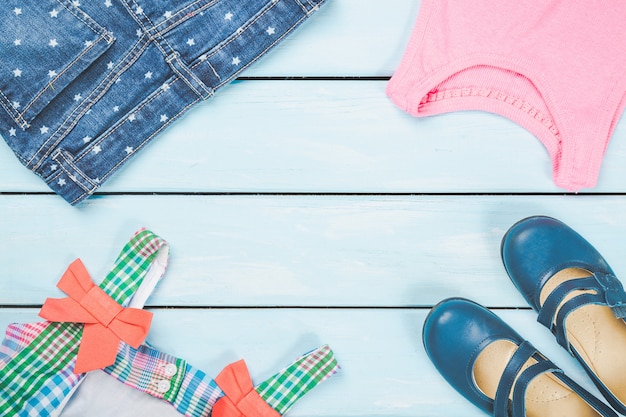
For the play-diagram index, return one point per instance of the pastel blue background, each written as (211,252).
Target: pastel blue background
(310,211)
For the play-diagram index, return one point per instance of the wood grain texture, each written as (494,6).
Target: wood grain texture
(296,250)
(345,38)
(333,136)
(302,207)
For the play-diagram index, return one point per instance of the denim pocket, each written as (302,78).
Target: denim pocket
(46,45)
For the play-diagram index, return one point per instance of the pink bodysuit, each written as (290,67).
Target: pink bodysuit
(557,68)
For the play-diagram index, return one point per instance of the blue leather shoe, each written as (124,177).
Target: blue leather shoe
(493,367)
(577,296)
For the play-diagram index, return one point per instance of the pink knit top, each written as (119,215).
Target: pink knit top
(557,68)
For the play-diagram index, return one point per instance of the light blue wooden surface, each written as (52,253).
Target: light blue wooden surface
(349,220)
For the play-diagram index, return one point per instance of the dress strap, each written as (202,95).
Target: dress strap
(47,360)
(194,394)
(137,269)
(282,390)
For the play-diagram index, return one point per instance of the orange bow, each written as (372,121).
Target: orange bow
(106,322)
(241,400)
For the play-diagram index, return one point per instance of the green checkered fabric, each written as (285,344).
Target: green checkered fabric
(282,390)
(131,266)
(54,350)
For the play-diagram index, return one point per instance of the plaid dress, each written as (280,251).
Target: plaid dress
(37,359)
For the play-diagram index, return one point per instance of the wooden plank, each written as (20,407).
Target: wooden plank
(333,136)
(295,250)
(345,38)
(285,273)
(385,371)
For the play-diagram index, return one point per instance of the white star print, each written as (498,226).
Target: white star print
(16,104)
(128,150)
(165,87)
(53,43)
(236,60)
(17,42)
(54,13)
(87,139)
(44,129)
(110,65)
(203,57)
(191,41)
(76,3)
(107,3)
(139,10)
(88,43)
(78,97)
(17,11)
(12,131)
(270,30)
(163,118)
(17,72)
(61,182)
(97,149)
(53,167)
(118,80)
(148,74)
(228,16)
(116,109)
(132,117)
(167,14)
(52,73)
(138,32)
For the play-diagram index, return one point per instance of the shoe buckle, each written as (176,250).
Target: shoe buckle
(614,294)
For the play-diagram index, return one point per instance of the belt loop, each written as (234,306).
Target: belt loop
(196,85)
(308,6)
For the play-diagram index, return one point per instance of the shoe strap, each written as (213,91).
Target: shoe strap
(607,290)
(521,386)
(513,378)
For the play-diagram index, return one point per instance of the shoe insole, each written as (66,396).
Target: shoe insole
(595,333)
(546,396)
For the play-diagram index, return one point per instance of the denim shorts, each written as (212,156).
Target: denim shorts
(84,85)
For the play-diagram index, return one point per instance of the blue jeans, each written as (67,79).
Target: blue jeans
(86,85)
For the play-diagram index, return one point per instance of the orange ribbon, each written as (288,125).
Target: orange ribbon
(241,400)
(106,322)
